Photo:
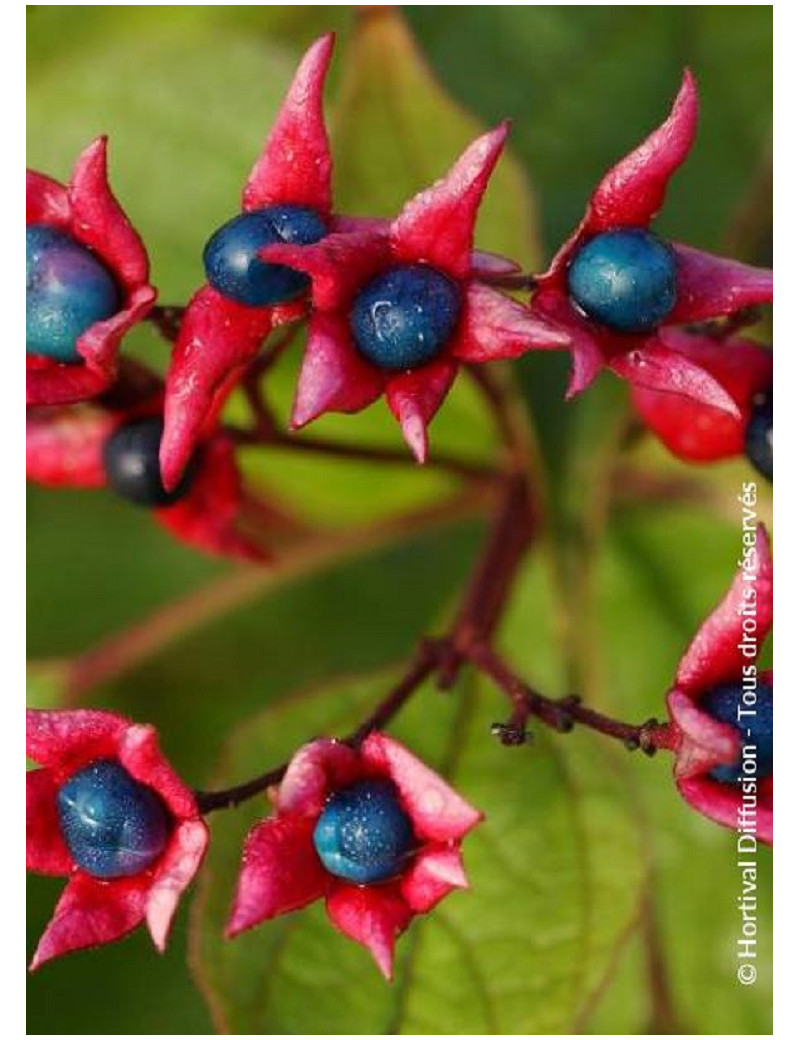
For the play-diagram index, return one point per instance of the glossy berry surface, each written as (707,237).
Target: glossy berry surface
(758,436)
(624,279)
(113,825)
(130,459)
(403,318)
(723,703)
(231,258)
(363,834)
(68,289)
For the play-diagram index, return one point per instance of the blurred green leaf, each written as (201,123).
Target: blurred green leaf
(46,684)
(585,84)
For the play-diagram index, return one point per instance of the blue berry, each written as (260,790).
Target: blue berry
(231,259)
(624,279)
(363,835)
(723,703)
(113,825)
(130,459)
(758,436)
(404,317)
(68,289)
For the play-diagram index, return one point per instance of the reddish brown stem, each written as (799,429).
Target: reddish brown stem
(420,669)
(560,715)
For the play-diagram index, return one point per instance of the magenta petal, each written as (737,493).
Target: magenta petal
(495,327)
(91,912)
(100,222)
(315,770)
(656,367)
(334,377)
(50,383)
(434,874)
(46,201)
(415,397)
(714,655)
(704,741)
(373,917)
(64,446)
(217,339)
(632,192)
(437,812)
(722,802)
(65,740)
(139,753)
(437,226)
(98,345)
(45,849)
(280,872)
(176,869)
(213,515)
(295,165)
(712,286)
(339,264)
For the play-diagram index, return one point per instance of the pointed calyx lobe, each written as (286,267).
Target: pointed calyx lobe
(336,818)
(69,746)
(697,431)
(614,286)
(89,231)
(220,335)
(397,306)
(721,660)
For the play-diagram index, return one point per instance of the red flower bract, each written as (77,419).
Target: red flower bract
(630,196)
(692,429)
(219,337)
(65,449)
(436,229)
(92,911)
(281,871)
(87,210)
(715,656)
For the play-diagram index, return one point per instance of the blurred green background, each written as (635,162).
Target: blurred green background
(600,903)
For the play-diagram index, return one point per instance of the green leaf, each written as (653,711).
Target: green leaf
(46,683)
(556,874)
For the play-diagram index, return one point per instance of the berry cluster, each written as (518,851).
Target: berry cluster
(394,308)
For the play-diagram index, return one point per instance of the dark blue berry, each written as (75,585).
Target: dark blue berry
(130,459)
(724,704)
(231,254)
(68,289)
(404,317)
(758,436)
(625,279)
(113,825)
(363,835)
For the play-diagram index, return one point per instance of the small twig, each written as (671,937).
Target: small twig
(276,438)
(423,665)
(560,715)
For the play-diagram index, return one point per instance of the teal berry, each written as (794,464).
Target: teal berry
(404,317)
(132,467)
(113,825)
(724,703)
(363,834)
(232,263)
(626,280)
(758,436)
(68,289)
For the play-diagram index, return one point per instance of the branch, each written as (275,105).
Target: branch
(423,665)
